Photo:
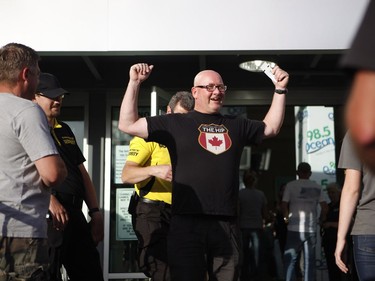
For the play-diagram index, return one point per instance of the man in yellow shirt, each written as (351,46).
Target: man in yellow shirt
(148,167)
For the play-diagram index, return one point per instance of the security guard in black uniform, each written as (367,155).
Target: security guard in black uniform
(72,239)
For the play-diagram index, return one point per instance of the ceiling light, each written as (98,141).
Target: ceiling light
(256,65)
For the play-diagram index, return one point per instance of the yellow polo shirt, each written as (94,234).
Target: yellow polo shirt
(151,154)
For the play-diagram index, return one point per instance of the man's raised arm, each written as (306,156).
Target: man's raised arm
(129,121)
(275,115)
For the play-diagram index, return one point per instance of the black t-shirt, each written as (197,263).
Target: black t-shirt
(205,152)
(71,154)
(361,53)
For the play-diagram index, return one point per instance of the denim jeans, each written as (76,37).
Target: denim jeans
(253,254)
(364,256)
(296,243)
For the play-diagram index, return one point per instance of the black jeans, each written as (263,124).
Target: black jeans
(201,245)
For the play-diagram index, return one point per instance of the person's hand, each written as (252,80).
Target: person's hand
(281,76)
(140,72)
(340,255)
(162,171)
(97,227)
(59,214)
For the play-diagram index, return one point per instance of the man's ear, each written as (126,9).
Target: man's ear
(194,92)
(169,110)
(24,74)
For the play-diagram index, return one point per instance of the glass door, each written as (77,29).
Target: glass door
(120,245)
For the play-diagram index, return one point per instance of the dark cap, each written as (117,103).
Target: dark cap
(304,167)
(49,86)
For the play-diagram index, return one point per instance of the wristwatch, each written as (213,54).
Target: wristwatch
(93,210)
(281,91)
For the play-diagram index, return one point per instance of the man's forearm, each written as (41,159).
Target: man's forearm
(135,174)
(349,200)
(129,107)
(275,116)
(285,210)
(90,193)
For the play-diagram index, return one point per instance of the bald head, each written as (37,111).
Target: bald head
(206,77)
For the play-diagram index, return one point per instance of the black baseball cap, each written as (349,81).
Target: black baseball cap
(49,86)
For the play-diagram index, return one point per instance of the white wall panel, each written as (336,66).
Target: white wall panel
(185,25)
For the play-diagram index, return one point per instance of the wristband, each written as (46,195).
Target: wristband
(281,91)
(93,210)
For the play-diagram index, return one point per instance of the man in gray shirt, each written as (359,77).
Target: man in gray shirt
(253,213)
(29,166)
(300,203)
(358,202)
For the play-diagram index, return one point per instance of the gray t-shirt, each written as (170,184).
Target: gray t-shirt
(24,138)
(252,202)
(366,205)
(303,197)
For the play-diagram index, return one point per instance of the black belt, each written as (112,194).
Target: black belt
(67,199)
(154,202)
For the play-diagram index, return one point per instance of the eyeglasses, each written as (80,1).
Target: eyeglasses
(212,87)
(58,98)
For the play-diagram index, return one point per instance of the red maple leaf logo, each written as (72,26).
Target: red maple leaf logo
(215,141)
